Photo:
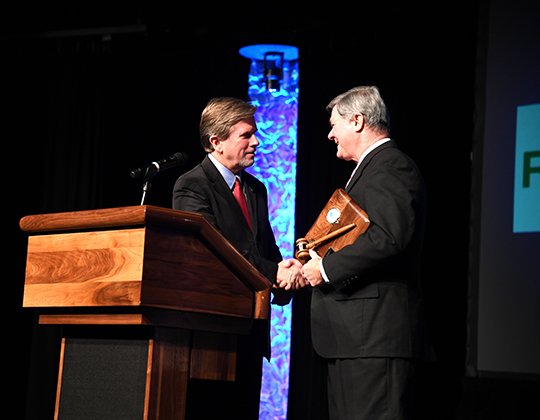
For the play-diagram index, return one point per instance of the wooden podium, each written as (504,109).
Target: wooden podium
(169,277)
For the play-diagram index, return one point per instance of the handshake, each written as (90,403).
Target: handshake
(293,275)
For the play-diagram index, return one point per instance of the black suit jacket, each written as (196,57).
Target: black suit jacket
(373,306)
(203,190)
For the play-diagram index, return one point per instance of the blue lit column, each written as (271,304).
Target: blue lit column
(273,87)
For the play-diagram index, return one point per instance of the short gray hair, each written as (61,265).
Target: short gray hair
(365,100)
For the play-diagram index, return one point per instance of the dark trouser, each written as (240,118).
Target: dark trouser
(371,389)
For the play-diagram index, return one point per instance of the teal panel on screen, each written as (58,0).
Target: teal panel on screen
(527,170)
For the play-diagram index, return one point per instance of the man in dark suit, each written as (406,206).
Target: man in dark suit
(227,133)
(367,315)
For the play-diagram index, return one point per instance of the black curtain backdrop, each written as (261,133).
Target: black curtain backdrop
(93,92)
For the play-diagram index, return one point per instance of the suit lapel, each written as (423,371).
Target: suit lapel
(219,186)
(218,183)
(365,163)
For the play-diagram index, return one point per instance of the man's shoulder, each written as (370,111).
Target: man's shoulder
(193,172)
(195,175)
(390,151)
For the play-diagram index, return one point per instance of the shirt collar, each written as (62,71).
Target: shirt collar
(369,149)
(226,173)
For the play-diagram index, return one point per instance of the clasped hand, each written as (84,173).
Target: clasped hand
(292,275)
(289,275)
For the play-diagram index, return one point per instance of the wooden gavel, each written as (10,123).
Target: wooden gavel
(303,245)
(339,224)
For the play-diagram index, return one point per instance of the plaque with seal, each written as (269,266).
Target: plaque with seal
(340,223)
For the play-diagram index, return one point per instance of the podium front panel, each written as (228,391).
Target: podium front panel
(103,379)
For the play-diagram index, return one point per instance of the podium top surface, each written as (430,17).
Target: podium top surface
(110,217)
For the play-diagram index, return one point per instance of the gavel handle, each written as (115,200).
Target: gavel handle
(330,235)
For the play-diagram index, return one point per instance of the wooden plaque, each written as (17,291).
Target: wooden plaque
(340,223)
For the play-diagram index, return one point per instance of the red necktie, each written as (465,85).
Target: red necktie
(241,198)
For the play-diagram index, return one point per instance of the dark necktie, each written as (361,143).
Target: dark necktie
(241,198)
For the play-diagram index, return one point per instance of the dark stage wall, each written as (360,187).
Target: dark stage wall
(85,105)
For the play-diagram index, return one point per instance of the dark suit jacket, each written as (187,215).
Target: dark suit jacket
(203,190)
(373,306)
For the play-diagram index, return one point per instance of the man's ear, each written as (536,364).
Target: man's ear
(216,143)
(359,121)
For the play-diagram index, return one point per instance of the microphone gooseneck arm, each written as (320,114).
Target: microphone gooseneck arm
(147,172)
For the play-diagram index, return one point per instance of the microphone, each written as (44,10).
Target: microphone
(146,172)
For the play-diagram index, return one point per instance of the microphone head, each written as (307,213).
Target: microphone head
(180,158)
(148,171)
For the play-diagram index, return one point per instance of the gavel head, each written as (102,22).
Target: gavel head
(302,250)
